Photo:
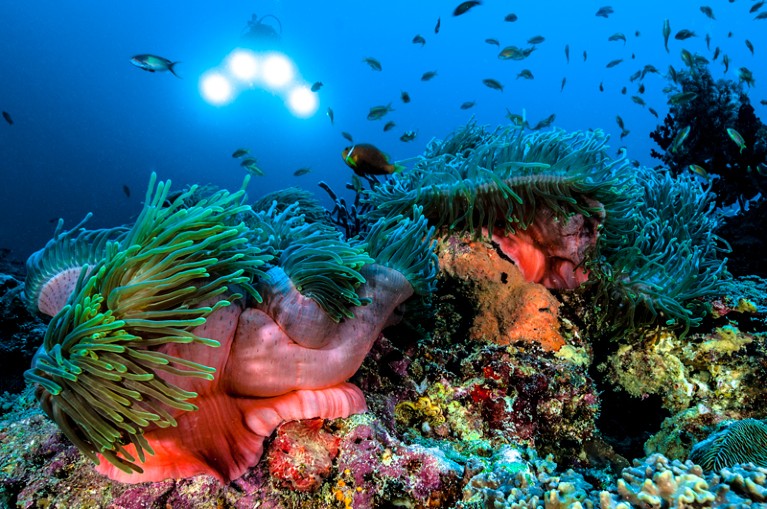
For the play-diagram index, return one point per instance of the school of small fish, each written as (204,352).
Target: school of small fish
(525,48)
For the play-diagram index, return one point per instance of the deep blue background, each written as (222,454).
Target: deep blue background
(87,122)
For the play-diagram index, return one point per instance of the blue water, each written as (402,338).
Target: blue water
(87,122)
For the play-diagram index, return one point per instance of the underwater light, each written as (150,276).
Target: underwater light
(302,101)
(215,88)
(243,65)
(277,70)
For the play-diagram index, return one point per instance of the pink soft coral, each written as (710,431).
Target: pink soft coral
(284,359)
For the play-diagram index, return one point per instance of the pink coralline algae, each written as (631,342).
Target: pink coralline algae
(301,455)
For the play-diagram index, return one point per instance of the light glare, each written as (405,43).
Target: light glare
(216,89)
(278,70)
(302,101)
(243,65)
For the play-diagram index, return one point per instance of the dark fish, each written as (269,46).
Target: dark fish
(464,7)
(666,33)
(716,52)
(436,27)
(684,34)
(585,55)
(377,112)
(761,15)
(467,105)
(635,76)
(687,58)
(515,53)
(637,34)
(755,7)
(366,159)
(251,166)
(619,120)
(682,98)
(511,17)
(7,117)
(407,136)
(624,133)
(617,37)
(240,152)
(708,11)
(750,46)
(405,97)
(153,63)
(373,63)
(536,39)
(331,116)
(613,63)
(494,42)
(567,53)
(601,87)
(746,76)
(653,112)
(494,84)
(418,39)
(126,191)
(641,88)
(347,136)
(316,86)
(726,63)
(525,73)
(428,75)
(638,100)
(564,82)
(604,12)
(546,122)
(623,91)
(301,171)
(708,41)
(649,68)
(389,125)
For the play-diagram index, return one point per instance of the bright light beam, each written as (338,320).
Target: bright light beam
(302,101)
(277,70)
(215,88)
(243,65)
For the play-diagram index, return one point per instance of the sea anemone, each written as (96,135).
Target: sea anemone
(155,282)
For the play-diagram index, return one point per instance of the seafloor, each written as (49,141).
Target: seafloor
(501,401)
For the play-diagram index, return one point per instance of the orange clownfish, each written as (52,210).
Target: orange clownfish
(366,159)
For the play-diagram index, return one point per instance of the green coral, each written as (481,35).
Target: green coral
(97,367)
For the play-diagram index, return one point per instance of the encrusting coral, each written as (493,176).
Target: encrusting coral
(158,362)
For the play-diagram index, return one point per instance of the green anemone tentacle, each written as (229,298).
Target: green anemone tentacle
(407,245)
(99,372)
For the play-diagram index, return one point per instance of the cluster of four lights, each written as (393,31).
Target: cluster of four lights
(246,69)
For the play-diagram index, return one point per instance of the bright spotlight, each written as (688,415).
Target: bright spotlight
(215,88)
(302,101)
(243,65)
(278,70)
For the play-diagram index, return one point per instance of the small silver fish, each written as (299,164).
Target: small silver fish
(153,63)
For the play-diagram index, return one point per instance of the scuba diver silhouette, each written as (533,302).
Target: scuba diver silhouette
(257,30)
